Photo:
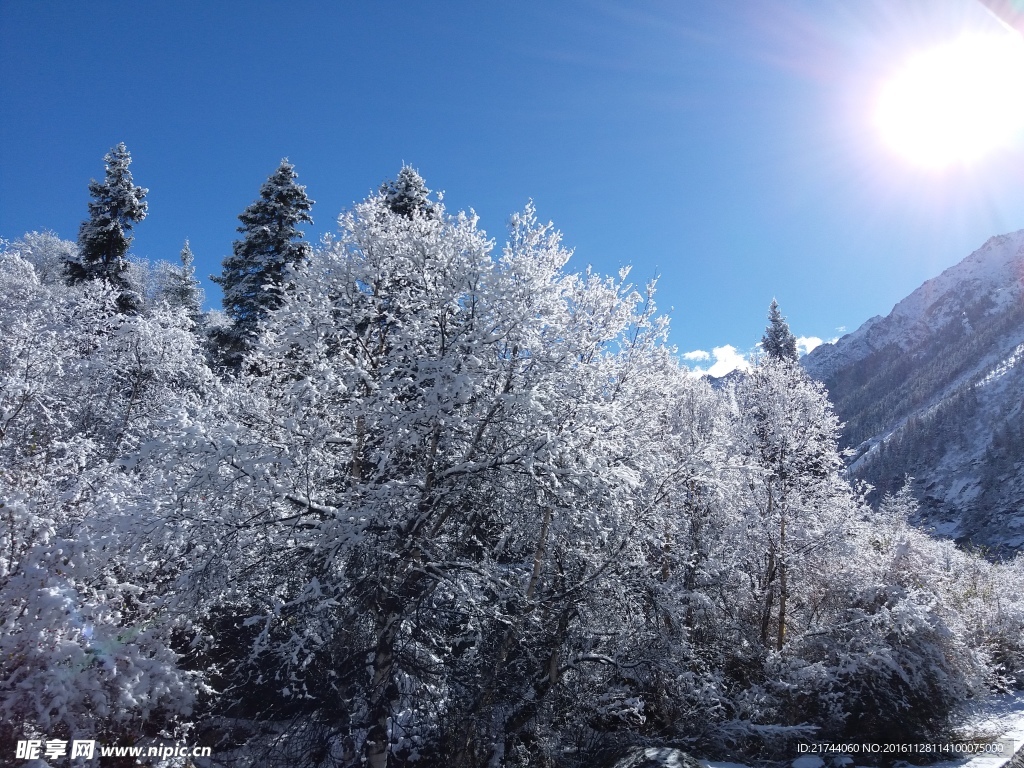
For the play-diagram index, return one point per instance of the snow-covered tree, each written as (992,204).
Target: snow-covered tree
(462,507)
(85,632)
(408,194)
(180,288)
(791,435)
(439,479)
(778,341)
(892,653)
(48,254)
(254,276)
(105,237)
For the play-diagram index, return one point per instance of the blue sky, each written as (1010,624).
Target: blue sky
(727,147)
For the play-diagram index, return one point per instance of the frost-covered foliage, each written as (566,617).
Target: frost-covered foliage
(47,253)
(84,635)
(178,286)
(460,506)
(447,450)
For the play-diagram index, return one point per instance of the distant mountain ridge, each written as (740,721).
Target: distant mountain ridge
(935,390)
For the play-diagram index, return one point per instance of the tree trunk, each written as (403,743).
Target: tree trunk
(769,597)
(484,702)
(783,584)
(382,692)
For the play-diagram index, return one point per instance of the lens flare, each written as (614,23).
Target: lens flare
(957,103)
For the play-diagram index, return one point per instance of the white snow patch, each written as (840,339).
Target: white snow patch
(949,529)
(1004,367)
(999,718)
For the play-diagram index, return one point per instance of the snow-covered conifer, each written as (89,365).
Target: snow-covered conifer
(180,288)
(408,194)
(105,237)
(778,341)
(254,276)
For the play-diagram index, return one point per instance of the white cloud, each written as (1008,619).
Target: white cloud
(727,358)
(697,354)
(805,344)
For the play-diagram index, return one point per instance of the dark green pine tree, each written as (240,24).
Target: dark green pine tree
(103,240)
(407,194)
(778,341)
(253,277)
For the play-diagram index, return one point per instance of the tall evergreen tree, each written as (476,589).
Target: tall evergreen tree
(104,239)
(407,194)
(253,277)
(778,341)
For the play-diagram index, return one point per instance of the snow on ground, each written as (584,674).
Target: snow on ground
(999,719)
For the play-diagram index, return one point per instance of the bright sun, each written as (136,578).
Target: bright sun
(956,103)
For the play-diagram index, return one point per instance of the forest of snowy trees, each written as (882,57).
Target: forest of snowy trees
(417,500)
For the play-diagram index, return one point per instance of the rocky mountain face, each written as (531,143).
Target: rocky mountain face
(935,391)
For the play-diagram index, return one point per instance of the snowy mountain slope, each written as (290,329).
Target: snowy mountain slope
(992,277)
(934,390)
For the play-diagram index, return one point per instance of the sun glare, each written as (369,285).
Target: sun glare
(956,103)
